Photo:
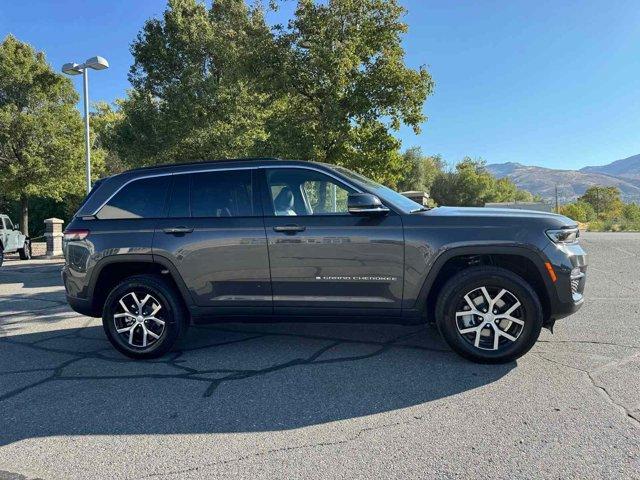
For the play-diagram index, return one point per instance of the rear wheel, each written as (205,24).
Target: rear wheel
(489,315)
(25,251)
(143,317)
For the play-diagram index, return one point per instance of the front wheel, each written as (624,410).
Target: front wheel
(489,315)
(143,317)
(1,255)
(25,251)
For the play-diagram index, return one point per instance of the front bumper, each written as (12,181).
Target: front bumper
(569,263)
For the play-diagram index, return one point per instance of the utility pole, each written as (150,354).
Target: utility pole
(557,206)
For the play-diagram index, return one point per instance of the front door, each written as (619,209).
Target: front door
(322,257)
(10,240)
(214,235)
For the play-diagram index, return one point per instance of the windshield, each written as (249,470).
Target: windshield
(402,202)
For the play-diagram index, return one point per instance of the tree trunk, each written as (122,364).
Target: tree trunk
(24,214)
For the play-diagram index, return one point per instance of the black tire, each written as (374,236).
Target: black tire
(25,251)
(1,255)
(494,279)
(172,313)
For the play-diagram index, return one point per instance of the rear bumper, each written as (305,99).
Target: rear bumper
(81,305)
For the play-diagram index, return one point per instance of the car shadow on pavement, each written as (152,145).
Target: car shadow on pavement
(224,378)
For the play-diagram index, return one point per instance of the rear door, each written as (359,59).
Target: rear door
(214,236)
(125,224)
(322,257)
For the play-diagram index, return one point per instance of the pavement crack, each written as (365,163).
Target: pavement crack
(311,360)
(630,414)
(265,453)
(590,342)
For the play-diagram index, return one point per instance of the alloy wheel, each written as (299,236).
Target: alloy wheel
(139,319)
(490,318)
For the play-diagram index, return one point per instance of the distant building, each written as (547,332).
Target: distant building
(539,206)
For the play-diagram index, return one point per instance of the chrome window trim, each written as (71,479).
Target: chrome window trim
(257,167)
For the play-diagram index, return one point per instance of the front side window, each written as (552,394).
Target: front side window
(298,191)
(144,198)
(222,194)
(8,224)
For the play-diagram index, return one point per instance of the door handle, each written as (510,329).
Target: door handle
(289,228)
(177,230)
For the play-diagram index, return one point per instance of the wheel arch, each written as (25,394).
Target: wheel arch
(526,262)
(111,270)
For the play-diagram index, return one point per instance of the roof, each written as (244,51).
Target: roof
(210,162)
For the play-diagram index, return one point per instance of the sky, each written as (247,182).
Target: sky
(539,82)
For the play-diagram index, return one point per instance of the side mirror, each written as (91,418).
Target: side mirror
(365,204)
(16,226)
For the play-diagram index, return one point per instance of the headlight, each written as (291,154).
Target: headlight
(564,235)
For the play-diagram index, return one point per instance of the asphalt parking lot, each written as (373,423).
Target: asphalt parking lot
(320,401)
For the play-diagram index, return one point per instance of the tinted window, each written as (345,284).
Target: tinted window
(297,191)
(383,192)
(179,198)
(222,194)
(140,199)
(7,224)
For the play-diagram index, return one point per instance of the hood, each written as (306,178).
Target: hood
(497,213)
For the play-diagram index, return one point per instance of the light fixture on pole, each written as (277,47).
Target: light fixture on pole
(95,63)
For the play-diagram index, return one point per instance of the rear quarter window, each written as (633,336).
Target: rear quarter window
(144,198)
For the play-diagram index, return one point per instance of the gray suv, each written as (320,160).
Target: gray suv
(154,250)
(12,240)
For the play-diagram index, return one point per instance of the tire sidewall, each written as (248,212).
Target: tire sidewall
(173,316)
(25,251)
(463,283)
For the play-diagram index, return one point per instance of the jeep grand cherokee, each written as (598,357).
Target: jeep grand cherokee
(155,249)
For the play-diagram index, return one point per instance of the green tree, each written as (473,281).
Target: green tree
(41,135)
(346,85)
(604,200)
(631,212)
(579,211)
(330,86)
(470,184)
(419,171)
(106,119)
(196,91)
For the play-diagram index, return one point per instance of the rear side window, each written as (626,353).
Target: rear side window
(143,198)
(222,194)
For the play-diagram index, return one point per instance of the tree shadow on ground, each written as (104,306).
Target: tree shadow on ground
(224,378)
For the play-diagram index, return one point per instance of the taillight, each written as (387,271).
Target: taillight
(75,234)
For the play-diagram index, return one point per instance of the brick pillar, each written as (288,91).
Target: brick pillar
(53,233)
(417,196)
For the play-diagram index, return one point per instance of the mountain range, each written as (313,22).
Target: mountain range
(624,174)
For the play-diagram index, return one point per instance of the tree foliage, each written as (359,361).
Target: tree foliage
(331,85)
(605,201)
(470,184)
(579,211)
(41,141)
(419,170)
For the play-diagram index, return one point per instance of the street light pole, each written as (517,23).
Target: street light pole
(87,134)
(96,63)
